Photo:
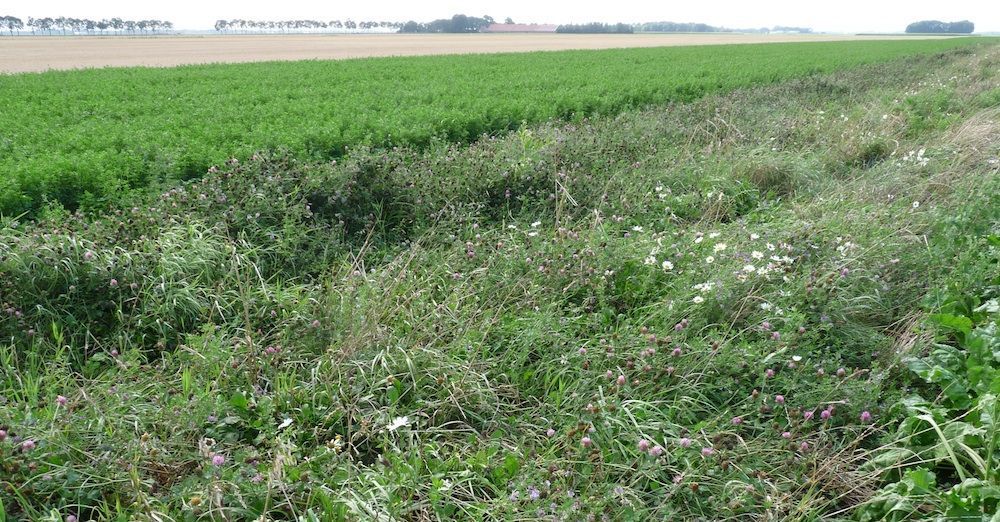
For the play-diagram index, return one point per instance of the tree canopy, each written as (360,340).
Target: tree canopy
(69,25)
(937,26)
(595,28)
(459,23)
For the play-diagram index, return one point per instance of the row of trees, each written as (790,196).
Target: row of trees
(459,23)
(596,28)
(237,25)
(675,27)
(937,26)
(11,24)
(67,25)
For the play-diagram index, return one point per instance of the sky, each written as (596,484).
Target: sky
(821,15)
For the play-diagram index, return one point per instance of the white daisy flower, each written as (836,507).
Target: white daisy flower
(397,423)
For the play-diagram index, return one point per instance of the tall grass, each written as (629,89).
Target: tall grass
(584,320)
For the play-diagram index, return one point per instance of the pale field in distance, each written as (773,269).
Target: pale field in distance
(40,53)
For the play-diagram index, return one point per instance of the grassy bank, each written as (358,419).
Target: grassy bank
(693,312)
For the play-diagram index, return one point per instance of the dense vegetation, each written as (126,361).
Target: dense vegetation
(777,303)
(86,137)
(937,26)
(596,28)
(456,24)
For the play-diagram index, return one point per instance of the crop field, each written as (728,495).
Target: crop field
(707,283)
(83,137)
(54,53)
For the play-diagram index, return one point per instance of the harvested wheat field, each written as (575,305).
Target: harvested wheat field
(34,54)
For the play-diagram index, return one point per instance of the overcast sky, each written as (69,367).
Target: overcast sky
(821,15)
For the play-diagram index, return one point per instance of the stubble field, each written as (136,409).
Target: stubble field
(57,53)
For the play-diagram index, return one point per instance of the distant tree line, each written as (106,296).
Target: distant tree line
(67,25)
(456,24)
(238,25)
(595,28)
(11,24)
(937,26)
(674,27)
(789,29)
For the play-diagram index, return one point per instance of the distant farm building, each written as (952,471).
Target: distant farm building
(520,28)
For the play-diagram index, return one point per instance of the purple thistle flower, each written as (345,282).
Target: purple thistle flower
(737,421)
(643,445)
(218,460)
(114,283)
(707,451)
(533,493)
(27,445)
(786,434)
(60,400)
(825,414)
(775,336)
(769,373)
(807,415)
(804,447)
(586,442)
(621,380)
(841,372)
(677,352)
(656,451)
(866,416)
(780,399)
(550,433)
(685,442)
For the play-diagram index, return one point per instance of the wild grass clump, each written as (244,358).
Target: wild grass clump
(701,311)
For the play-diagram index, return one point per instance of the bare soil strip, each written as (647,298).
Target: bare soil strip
(41,53)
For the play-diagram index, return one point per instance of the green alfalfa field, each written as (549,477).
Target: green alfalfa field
(775,300)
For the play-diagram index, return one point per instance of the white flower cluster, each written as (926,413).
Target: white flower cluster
(917,157)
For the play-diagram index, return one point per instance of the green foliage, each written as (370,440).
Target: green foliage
(585,319)
(85,137)
(949,447)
